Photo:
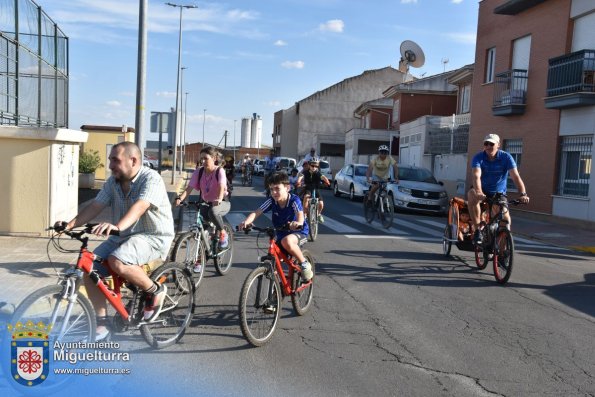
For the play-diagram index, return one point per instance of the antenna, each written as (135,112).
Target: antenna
(444,61)
(411,54)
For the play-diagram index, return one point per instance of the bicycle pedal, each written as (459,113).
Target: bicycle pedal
(269,309)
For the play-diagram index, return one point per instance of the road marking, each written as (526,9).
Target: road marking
(440,225)
(418,228)
(337,226)
(381,237)
(361,220)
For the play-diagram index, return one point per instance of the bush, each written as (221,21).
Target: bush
(89,162)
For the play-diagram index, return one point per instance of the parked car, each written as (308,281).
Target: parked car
(284,164)
(258,167)
(351,180)
(418,190)
(150,162)
(325,168)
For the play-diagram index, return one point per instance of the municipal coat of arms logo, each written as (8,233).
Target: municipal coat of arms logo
(29,352)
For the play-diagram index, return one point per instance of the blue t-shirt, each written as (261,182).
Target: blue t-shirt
(282,215)
(493,173)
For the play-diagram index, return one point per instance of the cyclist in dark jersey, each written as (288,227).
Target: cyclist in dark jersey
(311,179)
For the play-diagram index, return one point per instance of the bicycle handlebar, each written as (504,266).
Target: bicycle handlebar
(77,234)
(269,229)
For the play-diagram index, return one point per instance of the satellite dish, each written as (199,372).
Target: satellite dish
(411,54)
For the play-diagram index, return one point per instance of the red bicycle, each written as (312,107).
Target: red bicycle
(266,286)
(73,318)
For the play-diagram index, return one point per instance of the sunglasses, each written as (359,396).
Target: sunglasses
(488,144)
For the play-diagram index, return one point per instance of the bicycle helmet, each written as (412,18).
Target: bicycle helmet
(314,161)
(383,148)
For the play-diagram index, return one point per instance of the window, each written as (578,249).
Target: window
(515,148)
(490,65)
(465,98)
(575,165)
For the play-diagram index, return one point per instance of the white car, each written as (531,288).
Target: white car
(351,180)
(258,168)
(325,168)
(418,190)
(150,162)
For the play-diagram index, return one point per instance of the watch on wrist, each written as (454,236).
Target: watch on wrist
(524,194)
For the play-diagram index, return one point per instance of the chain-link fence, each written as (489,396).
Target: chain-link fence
(33,67)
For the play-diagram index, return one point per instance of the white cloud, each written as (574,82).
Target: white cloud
(293,64)
(114,103)
(273,104)
(457,1)
(166,94)
(334,25)
(280,43)
(408,1)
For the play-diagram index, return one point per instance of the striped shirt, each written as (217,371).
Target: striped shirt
(283,215)
(156,225)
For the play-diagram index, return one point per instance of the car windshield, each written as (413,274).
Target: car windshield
(361,170)
(324,164)
(417,175)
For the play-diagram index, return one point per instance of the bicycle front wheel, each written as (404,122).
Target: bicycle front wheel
(189,250)
(260,305)
(224,257)
(302,300)
(313,222)
(72,322)
(388,211)
(446,240)
(178,306)
(503,255)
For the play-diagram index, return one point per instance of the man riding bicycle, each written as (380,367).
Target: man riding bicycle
(141,212)
(246,165)
(310,180)
(489,173)
(379,170)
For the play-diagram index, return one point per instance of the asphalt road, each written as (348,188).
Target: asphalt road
(392,316)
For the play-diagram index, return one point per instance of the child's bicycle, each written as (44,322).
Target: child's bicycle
(266,286)
(199,244)
(72,317)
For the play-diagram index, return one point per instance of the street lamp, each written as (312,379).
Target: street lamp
(184,129)
(175,140)
(182,119)
(204,113)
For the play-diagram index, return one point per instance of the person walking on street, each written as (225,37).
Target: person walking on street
(489,174)
(141,212)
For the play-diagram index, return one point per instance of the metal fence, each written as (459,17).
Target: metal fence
(33,67)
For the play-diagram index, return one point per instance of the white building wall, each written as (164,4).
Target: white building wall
(256,132)
(329,112)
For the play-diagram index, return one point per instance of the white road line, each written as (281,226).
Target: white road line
(337,226)
(361,220)
(381,237)
(418,228)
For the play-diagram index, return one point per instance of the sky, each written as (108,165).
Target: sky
(245,56)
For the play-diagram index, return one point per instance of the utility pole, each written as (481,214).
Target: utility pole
(141,76)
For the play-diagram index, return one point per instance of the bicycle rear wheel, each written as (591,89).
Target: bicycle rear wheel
(224,257)
(301,301)
(189,250)
(503,255)
(313,222)
(481,257)
(446,240)
(387,213)
(369,210)
(259,309)
(178,306)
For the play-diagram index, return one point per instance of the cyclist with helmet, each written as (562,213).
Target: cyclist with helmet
(379,170)
(310,180)
(246,164)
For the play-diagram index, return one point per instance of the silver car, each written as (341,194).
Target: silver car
(418,190)
(351,180)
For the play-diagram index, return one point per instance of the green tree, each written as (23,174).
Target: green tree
(89,162)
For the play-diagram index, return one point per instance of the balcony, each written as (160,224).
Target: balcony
(570,80)
(510,90)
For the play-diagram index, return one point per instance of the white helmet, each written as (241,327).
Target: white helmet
(383,148)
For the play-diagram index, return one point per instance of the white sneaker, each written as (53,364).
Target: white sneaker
(197,267)
(307,273)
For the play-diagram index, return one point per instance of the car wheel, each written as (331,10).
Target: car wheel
(336,190)
(351,193)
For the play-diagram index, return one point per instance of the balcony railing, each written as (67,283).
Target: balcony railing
(570,80)
(510,90)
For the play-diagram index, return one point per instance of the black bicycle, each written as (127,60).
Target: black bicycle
(497,243)
(201,243)
(383,205)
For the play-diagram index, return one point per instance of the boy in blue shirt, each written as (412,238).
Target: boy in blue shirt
(287,209)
